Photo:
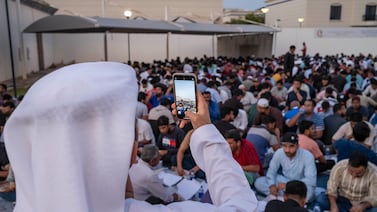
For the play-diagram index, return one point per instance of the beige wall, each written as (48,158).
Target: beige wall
(288,13)
(30,61)
(333,44)
(199,10)
(82,47)
(317,13)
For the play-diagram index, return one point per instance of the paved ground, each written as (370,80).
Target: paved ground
(23,84)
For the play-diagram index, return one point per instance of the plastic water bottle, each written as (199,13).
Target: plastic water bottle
(200,193)
(191,175)
(317,208)
(327,151)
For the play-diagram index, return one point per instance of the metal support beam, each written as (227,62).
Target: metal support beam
(11,50)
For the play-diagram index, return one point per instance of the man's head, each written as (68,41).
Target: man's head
(151,155)
(233,137)
(357,164)
(3,88)
(373,83)
(7,108)
(263,106)
(325,106)
(159,89)
(163,124)
(329,91)
(355,102)
(339,109)
(309,106)
(306,127)
(296,190)
(297,83)
(144,83)
(289,143)
(355,118)
(207,96)
(269,122)
(227,113)
(294,104)
(279,84)
(292,49)
(325,80)
(165,102)
(361,131)
(141,97)
(238,94)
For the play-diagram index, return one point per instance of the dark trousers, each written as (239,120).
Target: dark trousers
(344,204)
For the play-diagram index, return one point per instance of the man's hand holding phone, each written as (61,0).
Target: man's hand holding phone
(201,117)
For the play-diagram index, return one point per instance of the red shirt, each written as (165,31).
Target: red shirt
(248,156)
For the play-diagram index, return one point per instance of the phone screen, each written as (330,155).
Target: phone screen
(185,94)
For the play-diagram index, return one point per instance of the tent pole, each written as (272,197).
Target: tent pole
(11,50)
(105,45)
(129,47)
(167,45)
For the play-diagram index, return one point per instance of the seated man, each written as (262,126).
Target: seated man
(213,107)
(306,142)
(357,107)
(345,147)
(263,137)
(294,199)
(145,182)
(169,140)
(8,187)
(244,153)
(185,161)
(145,133)
(296,164)
(307,113)
(352,186)
(345,131)
(227,115)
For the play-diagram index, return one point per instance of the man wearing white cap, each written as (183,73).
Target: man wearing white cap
(264,109)
(71,143)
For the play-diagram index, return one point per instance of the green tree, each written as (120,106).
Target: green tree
(249,17)
(256,18)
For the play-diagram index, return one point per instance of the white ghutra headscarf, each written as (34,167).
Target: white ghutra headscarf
(70,139)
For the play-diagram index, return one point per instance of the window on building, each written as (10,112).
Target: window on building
(336,12)
(370,12)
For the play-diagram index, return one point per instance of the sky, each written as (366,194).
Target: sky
(243,4)
(186,89)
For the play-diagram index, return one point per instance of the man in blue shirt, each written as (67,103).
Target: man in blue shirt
(213,107)
(296,164)
(345,147)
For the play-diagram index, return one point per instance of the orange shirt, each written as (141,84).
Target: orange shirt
(309,144)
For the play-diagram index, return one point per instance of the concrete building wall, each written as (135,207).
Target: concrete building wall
(5,65)
(332,41)
(201,11)
(65,48)
(26,59)
(317,13)
(287,13)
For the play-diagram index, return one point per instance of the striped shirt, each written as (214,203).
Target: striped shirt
(356,189)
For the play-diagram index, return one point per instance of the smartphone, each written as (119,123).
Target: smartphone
(185,94)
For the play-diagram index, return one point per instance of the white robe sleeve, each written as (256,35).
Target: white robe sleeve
(226,181)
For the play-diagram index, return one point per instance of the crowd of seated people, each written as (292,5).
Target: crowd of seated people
(273,114)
